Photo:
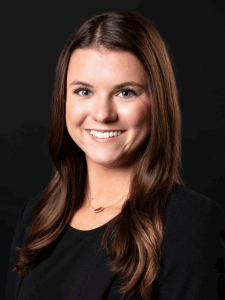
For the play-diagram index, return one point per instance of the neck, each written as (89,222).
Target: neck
(106,185)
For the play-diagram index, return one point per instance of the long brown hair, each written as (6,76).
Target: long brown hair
(136,247)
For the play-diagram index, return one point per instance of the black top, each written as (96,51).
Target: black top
(192,264)
(63,273)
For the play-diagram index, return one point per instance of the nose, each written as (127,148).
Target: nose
(104,110)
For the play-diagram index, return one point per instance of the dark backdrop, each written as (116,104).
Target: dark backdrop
(32,37)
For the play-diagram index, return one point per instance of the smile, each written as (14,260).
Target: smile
(105,135)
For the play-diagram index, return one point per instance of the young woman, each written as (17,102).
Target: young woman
(116,222)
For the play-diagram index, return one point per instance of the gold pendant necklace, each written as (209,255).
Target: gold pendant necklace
(101,208)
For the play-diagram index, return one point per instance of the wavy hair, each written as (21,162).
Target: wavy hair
(136,247)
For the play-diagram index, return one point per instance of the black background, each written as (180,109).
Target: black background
(32,37)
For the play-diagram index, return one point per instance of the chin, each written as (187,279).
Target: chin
(105,163)
(113,162)
(104,160)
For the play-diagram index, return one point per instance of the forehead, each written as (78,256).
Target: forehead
(93,64)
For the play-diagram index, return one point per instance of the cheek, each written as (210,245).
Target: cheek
(75,114)
(139,116)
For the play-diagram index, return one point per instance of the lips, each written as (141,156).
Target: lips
(103,134)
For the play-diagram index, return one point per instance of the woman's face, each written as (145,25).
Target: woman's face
(107,105)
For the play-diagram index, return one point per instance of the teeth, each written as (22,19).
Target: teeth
(105,135)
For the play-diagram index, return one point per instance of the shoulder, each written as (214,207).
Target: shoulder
(193,247)
(27,209)
(183,197)
(191,210)
(191,216)
(194,229)
(20,236)
(24,221)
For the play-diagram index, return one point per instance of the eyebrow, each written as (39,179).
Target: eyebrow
(80,83)
(118,86)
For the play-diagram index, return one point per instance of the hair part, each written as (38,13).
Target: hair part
(136,247)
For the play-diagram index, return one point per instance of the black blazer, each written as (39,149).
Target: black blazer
(193,254)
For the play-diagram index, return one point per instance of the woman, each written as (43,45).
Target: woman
(115,144)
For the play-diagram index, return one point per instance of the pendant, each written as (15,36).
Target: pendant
(99,209)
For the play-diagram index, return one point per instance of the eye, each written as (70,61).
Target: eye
(127,93)
(83,92)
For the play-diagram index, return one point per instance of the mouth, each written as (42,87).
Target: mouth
(103,134)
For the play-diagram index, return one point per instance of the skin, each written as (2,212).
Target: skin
(107,91)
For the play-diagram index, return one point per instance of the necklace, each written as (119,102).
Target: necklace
(101,208)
